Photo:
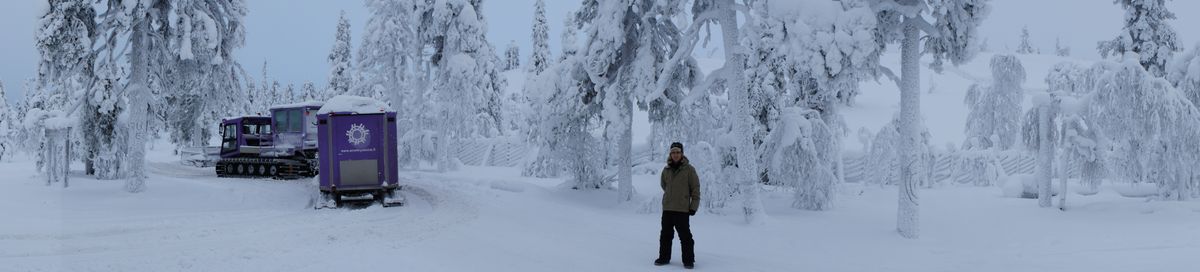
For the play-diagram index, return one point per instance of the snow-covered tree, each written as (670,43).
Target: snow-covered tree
(789,70)
(884,162)
(1060,50)
(803,158)
(539,55)
(6,124)
(206,81)
(460,79)
(1152,125)
(339,60)
(1145,31)
(995,109)
(629,43)
(993,123)
(569,36)
(308,92)
(134,52)
(546,162)
(290,95)
(1041,137)
(64,42)
(1025,48)
(950,27)
(385,63)
(512,56)
(1184,73)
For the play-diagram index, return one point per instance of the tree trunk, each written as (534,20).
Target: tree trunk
(747,161)
(136,94)
(1045,159)
(625,153)
(908,215)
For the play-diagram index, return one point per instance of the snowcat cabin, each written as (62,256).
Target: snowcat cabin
(244,136)
(296,127)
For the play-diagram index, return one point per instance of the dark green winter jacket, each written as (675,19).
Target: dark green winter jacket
(681,187)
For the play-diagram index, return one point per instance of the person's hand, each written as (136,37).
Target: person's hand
(692,213)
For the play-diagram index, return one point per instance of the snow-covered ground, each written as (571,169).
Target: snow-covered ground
(492,219)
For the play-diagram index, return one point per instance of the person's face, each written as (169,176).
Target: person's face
(676,155)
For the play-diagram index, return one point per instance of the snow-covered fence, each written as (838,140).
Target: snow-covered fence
(504,152)
(943,166)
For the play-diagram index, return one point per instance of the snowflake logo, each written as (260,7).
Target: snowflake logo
(357,135)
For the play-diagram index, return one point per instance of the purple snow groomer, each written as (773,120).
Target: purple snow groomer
(357,152)
(281,146)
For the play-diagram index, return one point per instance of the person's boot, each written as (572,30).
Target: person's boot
(689,265)
(661,262)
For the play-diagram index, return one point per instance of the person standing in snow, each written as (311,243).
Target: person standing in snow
(681,198)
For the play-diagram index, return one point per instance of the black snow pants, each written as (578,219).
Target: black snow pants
(676,221)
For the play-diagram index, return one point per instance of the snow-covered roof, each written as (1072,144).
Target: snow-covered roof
(298,105)
(354,104)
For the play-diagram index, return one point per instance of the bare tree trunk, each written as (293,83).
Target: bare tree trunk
(747,161)
(908,214)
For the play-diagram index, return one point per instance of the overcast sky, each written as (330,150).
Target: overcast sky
(295,36)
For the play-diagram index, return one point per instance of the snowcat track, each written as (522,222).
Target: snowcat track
(278,168)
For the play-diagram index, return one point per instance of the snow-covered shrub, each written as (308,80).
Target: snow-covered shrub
(716,189)
(995,109)
(800,155)
(979,167)
(884,161)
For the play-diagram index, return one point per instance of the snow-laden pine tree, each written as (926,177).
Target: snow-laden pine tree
(460,79)
(260,98)
(64,42)
(6,124)
(1025,48)
(512,56)
(386,56)
(995,109)
(339,61)
(290,95)
(949,27)
(134,52)
(1060,50)
(539,55)
(308,92)
(205,80)
(545,163)
(628,45)
(1184,73)
(798,80)
(1145,31)
(569,37)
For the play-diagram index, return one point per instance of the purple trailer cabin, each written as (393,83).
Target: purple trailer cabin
(357,151)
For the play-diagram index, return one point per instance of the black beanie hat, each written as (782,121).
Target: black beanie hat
(677,144)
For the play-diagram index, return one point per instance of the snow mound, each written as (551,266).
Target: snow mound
(354,104)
